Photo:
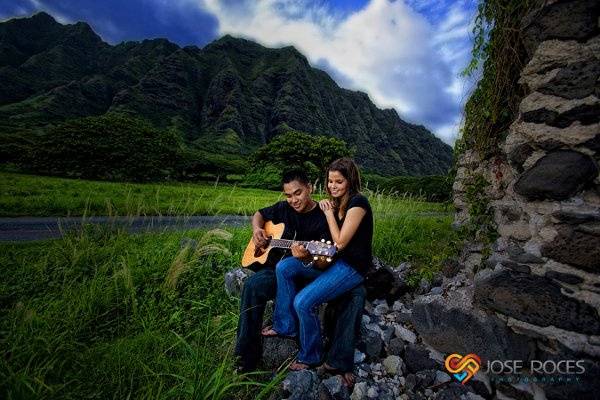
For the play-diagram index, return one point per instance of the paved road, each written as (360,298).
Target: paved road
(37,228)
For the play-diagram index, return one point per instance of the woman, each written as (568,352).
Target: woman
(350,221)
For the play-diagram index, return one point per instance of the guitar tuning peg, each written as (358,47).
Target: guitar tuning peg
(323,240)
(328,259)
(315,258)
(328,242)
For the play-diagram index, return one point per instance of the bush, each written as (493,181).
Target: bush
(432,188)
(265,177)
(107,147)
(375,182)
(196,164)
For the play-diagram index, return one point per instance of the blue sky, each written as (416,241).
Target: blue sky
(406,54)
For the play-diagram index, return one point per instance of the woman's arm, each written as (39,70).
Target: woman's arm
(342,236)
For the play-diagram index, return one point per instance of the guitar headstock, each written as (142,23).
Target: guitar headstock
(323,250)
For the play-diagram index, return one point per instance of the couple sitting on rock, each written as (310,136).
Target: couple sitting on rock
(300,286)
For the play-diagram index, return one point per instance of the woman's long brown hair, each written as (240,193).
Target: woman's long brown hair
(349,170)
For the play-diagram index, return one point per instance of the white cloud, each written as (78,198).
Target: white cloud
(58,16)
(386,49)
(111,33)
(450,130)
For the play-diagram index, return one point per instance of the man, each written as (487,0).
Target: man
(303,221)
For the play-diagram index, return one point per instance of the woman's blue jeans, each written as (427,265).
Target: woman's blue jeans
(293,307)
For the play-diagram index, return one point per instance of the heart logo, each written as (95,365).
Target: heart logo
(463,368)
(460,377)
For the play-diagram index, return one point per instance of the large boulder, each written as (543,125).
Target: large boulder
(561,20)
(555,111)
(566,69)
(370,340)
(417,358)
(301,385)
(558,175)
(451,324)
(385,282)
(577,246)
(587,386)
(234,281)
(333,388)
(277,351)
(534,299)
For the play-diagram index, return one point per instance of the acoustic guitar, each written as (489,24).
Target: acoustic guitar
(323,250)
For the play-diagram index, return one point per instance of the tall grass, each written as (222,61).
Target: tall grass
(90,316)
(105,314)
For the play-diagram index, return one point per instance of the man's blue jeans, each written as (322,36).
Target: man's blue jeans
(293,307)
(345,314)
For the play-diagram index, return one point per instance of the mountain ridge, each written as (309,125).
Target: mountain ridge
(230,96)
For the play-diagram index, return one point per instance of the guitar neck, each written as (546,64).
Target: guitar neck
(286,243)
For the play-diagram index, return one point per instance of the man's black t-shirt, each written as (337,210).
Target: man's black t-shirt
(358,253)
(311,225)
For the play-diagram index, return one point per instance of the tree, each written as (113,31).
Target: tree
(295,149)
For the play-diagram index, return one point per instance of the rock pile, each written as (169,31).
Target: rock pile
(391,363)
(391,360)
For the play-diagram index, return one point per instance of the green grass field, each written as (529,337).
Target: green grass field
(107,314)
(29,195)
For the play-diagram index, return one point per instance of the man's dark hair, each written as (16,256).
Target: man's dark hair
(295,175)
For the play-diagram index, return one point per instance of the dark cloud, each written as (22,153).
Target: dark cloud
(424,84)
(16,9)
(116,20)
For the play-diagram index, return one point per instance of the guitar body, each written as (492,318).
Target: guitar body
(252,254)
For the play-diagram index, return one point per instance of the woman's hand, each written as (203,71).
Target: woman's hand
(327,206)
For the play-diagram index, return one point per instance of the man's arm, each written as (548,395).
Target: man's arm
(259,236)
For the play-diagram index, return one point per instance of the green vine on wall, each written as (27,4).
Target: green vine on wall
(499,56)
(498,49)
(481,226)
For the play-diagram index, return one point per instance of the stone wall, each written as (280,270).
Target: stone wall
(536,292)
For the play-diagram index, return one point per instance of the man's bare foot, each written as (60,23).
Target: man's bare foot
(348,378)
(298,366)
(268,331)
